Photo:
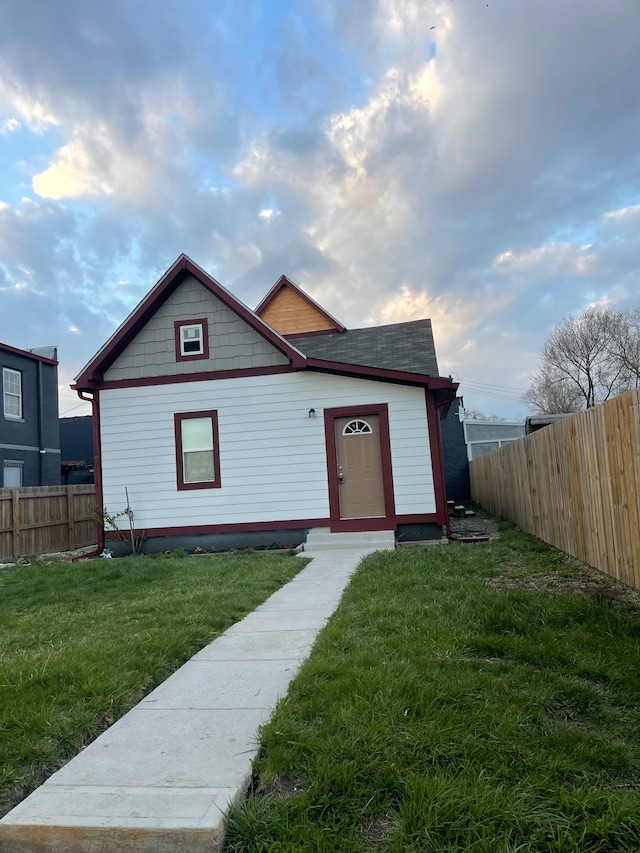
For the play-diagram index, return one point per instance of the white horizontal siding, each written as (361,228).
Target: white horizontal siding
(272,455)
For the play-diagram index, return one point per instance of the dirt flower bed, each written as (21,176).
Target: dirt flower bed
(477,525)
(570,576)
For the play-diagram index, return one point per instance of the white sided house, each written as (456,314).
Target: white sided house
(230,428)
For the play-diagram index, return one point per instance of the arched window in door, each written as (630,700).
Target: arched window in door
(357,427)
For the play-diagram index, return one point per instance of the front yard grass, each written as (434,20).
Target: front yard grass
(81,643)
(479,698)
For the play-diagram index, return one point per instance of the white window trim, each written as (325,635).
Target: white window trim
(183,341)
(7,395)
(9,463)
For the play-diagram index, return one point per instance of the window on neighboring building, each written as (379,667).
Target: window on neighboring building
(12,393)
(197,450)
(192,339)
(12,475)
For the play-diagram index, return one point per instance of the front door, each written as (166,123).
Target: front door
(359,460)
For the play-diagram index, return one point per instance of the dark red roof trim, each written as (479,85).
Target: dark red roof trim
(282,282)
(399,376)
(179,378)
(374,373)
(91,375)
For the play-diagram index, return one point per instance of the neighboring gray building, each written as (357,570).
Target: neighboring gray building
(483,436)
(76,446)
(454,450)
(536,422)
(29,431)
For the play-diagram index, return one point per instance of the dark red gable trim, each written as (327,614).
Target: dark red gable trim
(201,321)
(347,524)
(282,282)
(216,483)
(92,375)
(26,354)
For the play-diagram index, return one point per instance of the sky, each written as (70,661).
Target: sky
(476,163)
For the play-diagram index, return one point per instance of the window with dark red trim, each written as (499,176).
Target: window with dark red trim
(192,339)
(197,450)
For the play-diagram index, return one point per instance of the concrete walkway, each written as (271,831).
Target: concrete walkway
(161,779)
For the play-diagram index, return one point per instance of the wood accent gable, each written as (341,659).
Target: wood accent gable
(290,311)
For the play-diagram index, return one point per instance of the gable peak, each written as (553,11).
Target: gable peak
(292,312)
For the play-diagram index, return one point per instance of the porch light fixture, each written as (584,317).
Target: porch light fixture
(312,413)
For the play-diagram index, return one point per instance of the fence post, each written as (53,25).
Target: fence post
(15,505)
(71,518)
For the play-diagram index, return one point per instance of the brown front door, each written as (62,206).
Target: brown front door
(359,467)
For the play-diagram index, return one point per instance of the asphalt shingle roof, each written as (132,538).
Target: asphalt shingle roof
(400,346)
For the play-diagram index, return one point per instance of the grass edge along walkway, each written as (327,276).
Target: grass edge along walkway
(82,643)
(446,707)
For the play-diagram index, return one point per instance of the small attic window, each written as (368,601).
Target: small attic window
(192,339)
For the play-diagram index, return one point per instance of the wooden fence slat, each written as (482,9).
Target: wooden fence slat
(575,485)
(41,519)
(15,509)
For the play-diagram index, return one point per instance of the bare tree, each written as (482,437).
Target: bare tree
(477,415)
(582,362)
(551,394)
(626,343)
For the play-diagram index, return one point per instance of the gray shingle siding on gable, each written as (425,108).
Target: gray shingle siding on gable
(401,346)
(232,343)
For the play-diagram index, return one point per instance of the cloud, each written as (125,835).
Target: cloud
(9,125)
(397,158)
(98,160)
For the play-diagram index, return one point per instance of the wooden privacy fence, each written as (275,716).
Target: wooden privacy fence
(574,484)
(42,519)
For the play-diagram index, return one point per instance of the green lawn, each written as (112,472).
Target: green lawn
(81,643)
(462,698)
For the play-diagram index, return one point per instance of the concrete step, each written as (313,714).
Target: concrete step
(322,539)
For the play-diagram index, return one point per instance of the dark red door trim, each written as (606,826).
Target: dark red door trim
(351,524)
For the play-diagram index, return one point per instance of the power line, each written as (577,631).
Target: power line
(502,392)
(62,414)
